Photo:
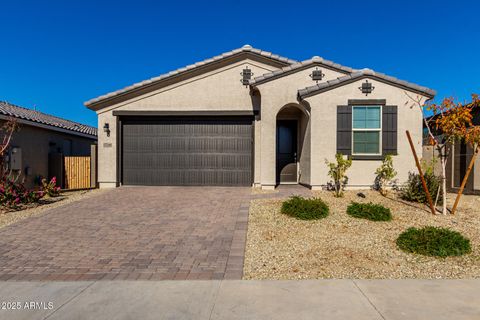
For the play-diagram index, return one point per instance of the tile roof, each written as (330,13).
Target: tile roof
(246,48)
(309,91)
(299,65)
(8,109)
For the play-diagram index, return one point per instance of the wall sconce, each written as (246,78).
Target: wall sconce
(106,129)
(366,87)
(246,76)
(317,75)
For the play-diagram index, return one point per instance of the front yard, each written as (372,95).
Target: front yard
(341,246)
(9,216)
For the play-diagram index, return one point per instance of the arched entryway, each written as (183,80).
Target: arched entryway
(292,158)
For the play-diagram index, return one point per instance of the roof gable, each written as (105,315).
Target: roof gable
(360,74)
(314,61)
(192,70)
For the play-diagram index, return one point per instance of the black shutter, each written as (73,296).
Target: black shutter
(344,130)
(389,130)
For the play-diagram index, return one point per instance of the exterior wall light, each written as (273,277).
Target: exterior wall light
(106,129)
(317,75)
(246,76)
(366,87)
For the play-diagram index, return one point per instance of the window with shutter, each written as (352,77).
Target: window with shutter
(344,130)
(389,130)
(367,129)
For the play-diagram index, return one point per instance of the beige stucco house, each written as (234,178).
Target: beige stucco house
(250,117)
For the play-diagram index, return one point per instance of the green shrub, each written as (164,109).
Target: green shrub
(50,187)
(413,190)
(337,171)
(305,209)
(370,211)
(432,241)
(385,174)
(14,193)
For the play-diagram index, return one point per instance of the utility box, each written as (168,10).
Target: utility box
(15,159)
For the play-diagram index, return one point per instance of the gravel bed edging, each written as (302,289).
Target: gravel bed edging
(341,246)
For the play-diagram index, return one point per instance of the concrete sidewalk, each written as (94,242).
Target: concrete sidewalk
(309,299)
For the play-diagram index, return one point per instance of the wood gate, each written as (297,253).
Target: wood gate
(77,172)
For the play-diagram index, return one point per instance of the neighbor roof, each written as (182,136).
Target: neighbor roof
(245,49)
(364,73)
(316,60)
(10,110)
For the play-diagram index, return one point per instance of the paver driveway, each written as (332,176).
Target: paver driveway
(132,233)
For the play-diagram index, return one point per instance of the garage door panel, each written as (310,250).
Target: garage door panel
(187,152)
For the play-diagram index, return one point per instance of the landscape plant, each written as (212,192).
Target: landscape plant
(413,190)
(337,171)
(451,122)
(50,188)
(6,132)
(305,208)
(369,211)
(385,174)
(433,241)
(13,193)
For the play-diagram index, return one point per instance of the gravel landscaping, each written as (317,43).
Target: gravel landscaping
(8,216)
(341,246)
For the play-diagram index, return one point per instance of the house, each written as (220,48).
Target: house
(457,162)
(250,117)
(41,136)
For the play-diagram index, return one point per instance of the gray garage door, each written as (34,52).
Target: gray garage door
(198,151)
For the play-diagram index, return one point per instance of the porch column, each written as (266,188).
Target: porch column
(268,143)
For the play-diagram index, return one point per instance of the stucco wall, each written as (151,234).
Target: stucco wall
(324,139)
(305,159)
(36,143)
(218,89)
(277,94)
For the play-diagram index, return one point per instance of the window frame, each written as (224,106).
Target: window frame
(379,130)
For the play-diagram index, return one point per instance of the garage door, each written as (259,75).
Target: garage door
(168,151)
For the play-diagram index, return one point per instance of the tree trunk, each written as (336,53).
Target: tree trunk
(443,162)
(465,179)
(419,167)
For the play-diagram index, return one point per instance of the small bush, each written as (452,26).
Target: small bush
(50,187)
(370,211)
(432,241)
(413,190)
(14,193)
(337,171)
(385,174)
(305,209)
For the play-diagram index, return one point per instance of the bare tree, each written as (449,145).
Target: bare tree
(450,122)
(6,132)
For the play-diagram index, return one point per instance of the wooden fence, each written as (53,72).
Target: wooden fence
(77,172)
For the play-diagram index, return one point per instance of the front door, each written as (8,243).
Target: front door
(286,151)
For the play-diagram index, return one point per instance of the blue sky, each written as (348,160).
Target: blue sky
(57,54)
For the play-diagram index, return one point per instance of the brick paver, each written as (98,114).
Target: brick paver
(131,233)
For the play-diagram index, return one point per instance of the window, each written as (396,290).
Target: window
(366,130)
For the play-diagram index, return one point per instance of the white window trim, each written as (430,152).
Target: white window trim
(369,130)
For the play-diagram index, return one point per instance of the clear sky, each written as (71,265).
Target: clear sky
(58,54)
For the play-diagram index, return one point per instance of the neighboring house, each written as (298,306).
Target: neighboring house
(457,162)
(39,137)
(250,117)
